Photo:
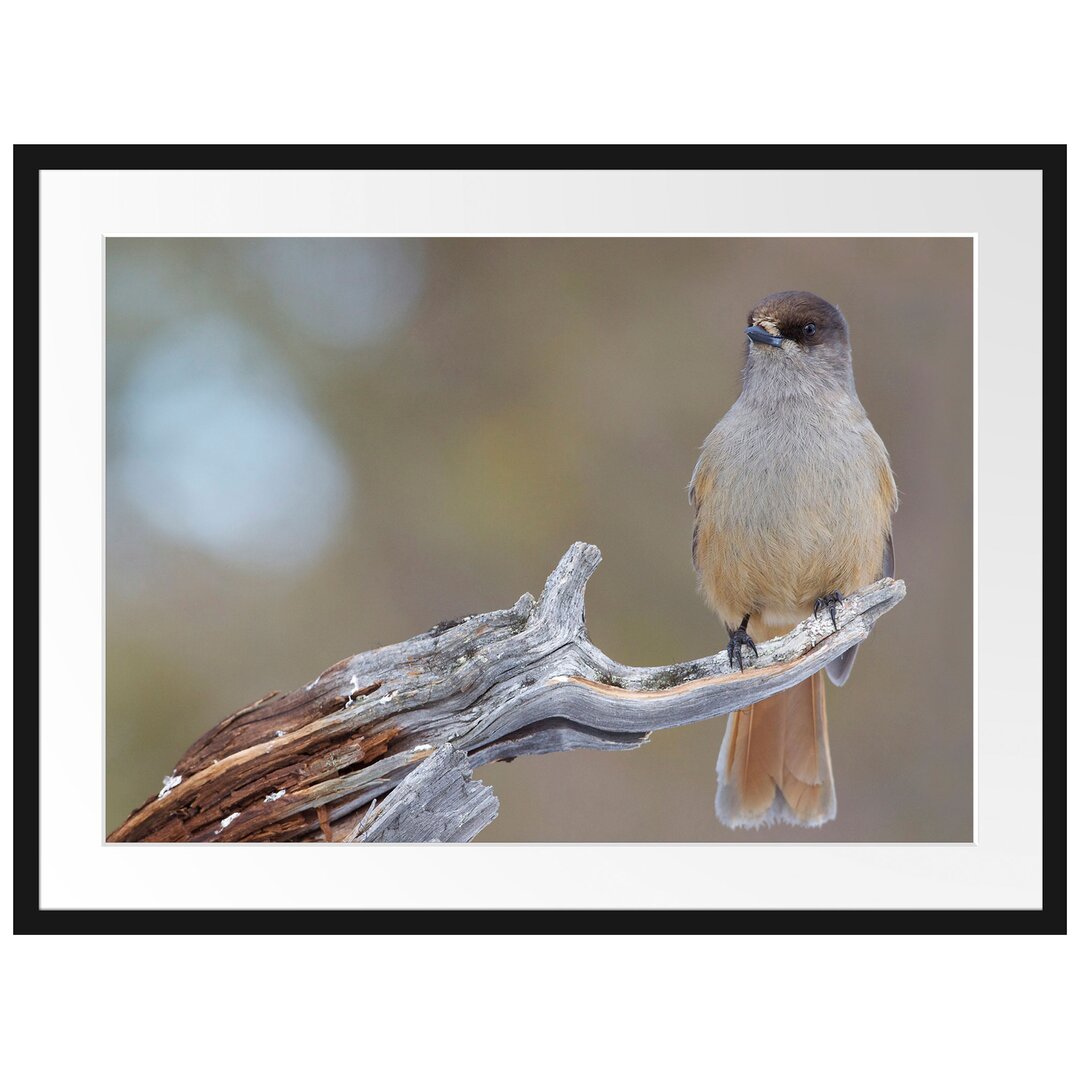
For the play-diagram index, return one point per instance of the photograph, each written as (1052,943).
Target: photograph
(406,535)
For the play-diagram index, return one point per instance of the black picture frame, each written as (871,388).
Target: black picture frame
(31,160)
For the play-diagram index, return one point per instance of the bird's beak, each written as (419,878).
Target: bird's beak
(763,337)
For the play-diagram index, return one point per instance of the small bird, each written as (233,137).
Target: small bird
(793,499)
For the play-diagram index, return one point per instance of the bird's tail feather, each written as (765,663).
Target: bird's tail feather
(774,763)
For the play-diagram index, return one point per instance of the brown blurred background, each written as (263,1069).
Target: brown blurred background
(317,446)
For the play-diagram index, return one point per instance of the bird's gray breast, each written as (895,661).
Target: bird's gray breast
(805,466)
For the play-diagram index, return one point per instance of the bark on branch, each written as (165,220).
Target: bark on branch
(308,765)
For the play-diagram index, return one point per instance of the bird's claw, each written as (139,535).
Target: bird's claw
(736,642)
(831,601)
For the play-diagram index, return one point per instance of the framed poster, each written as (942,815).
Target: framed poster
(300,403)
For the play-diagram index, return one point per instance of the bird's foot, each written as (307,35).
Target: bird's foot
(737,641)
(832,601)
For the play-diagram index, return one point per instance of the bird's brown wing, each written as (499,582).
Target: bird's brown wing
(840,668)
(887,559)
(699,483)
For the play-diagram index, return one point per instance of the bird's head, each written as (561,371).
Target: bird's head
(803,329)
(797,321)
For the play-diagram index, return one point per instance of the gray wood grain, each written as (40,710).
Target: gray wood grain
(436,803)
(525,680)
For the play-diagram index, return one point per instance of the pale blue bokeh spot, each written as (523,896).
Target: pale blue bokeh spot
(218,450)
(345,292)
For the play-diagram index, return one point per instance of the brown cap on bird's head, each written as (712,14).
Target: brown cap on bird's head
(801,317)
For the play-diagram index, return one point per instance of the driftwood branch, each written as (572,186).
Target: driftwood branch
(308,765)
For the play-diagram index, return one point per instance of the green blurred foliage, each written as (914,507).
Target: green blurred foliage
(542,391)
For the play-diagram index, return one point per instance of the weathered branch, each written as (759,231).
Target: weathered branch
(436,802)
(527,680)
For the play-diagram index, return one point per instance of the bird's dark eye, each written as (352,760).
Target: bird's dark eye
(809,329)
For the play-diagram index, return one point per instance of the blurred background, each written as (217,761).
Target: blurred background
(318,446)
